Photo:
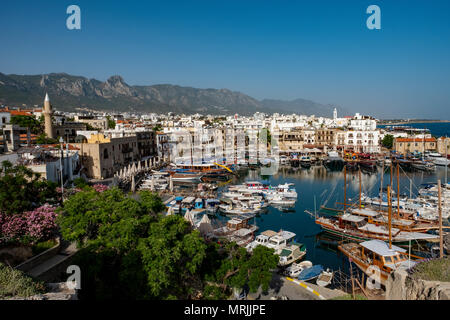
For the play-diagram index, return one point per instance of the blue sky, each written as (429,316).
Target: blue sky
(318,50)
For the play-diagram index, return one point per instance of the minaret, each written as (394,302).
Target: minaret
(48,117)
(335,114)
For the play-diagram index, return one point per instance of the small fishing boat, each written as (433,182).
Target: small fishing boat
(325,278)
(291,254)
(310,273)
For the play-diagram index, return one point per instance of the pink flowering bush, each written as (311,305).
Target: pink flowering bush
(29,227)
(100,187)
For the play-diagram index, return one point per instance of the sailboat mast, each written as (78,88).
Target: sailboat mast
(398,190)
(446,157)
(441,236)
(389,216)
(359,187)
(381,186)
(345,188)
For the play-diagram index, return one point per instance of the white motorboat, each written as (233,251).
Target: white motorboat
(284,190)
(281,201)
(291,253)
(295,269)
(281,240)
(260,240)
(441,161)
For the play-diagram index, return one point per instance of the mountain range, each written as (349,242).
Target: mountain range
(68,92)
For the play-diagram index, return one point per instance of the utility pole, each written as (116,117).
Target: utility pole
(61,167)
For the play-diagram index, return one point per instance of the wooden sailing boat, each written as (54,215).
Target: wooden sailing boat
(363,226)
(376,258)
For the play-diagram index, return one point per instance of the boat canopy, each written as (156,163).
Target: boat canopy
(366,212)
(352,218)
(188,200)
(285,252)
(287,235)
(269,233)
(381,248)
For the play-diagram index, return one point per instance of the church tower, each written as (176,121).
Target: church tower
(48,117)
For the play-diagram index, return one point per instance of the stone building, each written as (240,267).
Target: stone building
(101,156)
(411,145)
(443,146)
(325,137)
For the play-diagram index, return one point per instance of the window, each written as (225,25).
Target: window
(105,154)
(388,259)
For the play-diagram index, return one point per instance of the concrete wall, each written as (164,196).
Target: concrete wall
(40,258)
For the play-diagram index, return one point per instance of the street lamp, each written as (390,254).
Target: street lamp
(61,167)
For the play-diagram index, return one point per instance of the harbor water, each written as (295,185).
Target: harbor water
(317,187)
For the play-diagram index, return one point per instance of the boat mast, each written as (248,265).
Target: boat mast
(345,188)
(398,190)
(359,188)
(446,159)
(441,236)
(381,186)
(389,216)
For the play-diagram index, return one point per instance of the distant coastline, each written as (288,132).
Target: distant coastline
(402,122)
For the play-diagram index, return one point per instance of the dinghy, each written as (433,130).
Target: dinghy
(325,278)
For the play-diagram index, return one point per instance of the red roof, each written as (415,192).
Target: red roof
(415,140)
(71,147)
(19,113)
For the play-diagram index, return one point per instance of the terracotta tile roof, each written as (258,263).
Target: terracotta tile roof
(71,147)
(19,113)
(415,140)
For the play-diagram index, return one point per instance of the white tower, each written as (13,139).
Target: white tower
(335,114)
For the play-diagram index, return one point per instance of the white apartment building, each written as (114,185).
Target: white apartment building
(360,141)
(362,123)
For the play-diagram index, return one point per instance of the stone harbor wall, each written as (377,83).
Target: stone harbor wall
(400,286)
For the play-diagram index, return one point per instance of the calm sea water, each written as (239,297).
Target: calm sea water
(328,189)
(436,129)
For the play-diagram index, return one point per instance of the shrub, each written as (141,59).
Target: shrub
(15,283)
(29,227)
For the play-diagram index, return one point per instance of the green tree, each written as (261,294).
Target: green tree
(130,251)
(388,141)
(106,219)
(111,122)
(241,268)
(27,122)
(21,189)
(172,254)
(80,183)
(44,139)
